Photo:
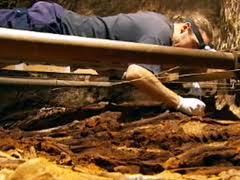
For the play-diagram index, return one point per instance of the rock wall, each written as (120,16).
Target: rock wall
(230,25)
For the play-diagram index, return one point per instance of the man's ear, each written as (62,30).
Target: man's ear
(186,27)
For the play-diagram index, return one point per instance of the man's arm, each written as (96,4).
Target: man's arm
(149,84)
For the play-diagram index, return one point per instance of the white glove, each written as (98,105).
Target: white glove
(191,106)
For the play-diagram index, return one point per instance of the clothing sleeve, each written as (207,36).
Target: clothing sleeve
(150,40)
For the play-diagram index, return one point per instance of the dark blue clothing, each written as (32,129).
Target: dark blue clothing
(42,17)
(141,27)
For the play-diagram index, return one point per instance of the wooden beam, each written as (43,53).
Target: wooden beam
(73,83)
(208,76)
(52,82)
(48,68)
(71,50)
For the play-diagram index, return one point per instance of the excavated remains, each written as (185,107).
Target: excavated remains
(102,131)
(168,141)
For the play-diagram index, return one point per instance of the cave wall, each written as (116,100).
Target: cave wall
(230,25)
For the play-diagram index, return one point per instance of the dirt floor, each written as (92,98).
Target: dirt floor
(169,143)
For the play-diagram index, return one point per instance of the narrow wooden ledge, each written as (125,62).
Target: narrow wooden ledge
(35,47)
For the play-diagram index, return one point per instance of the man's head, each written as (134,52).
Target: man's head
(195,32)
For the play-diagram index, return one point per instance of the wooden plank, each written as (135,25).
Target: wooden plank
(47,68)
(52,82)
(199,77)
(71,50)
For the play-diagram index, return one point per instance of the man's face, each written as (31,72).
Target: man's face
(185,37)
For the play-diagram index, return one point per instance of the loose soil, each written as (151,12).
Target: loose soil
(167,141)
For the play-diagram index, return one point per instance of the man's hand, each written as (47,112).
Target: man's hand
(191,106)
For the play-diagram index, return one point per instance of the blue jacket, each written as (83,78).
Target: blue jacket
(42,17)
